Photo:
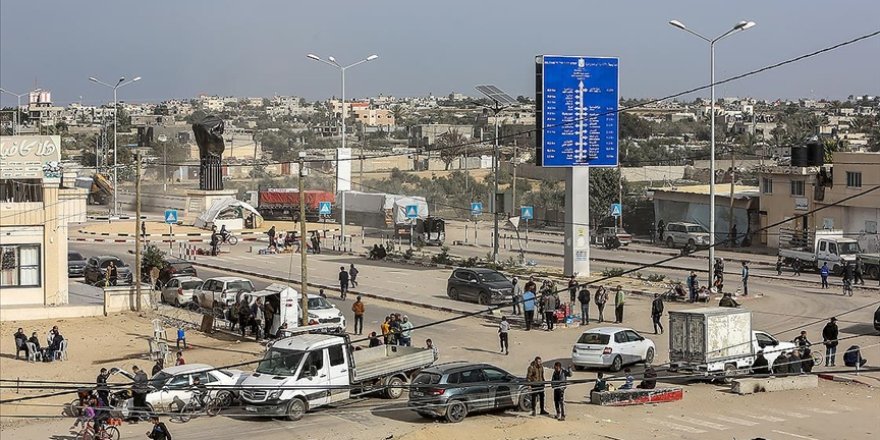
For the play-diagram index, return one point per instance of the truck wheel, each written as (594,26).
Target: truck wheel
(394,388)
(649,356)
(296,409)
(670,243)
(456,411)
(874,272)
(729,373)
(616,364)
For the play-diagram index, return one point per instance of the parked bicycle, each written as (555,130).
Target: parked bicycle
(105,432)
(194,407)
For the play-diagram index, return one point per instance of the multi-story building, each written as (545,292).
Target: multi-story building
(374,117)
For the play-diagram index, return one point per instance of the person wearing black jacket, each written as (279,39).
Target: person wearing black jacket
(584,299)
(657,312)
(829,339)
(761,366)
(159,431)
(139,392)
(102,388)
(343,282)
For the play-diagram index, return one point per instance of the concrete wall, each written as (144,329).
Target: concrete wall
(116,299)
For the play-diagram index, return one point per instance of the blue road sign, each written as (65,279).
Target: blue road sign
(412,211)
(476,208)
(171,216)
(527,212)
(579,98)
(323,208)
(616,209)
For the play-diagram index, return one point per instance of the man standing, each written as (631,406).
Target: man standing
(572,290)
(503,330)
(269,314)
(271,234)
(343,282)
(517,296)
(829,338)
(352,275)
(692,286)
(257,315)
(139,392)
(358,309)
(584,299)
(557,382)
(215,242)
(549,301)
(824,272)
(859,271)
(619,300)
(405,332)
(657,312)
(535,375)
(600,299)
(779,265)
(112,273)
(529,305)
(101,385)
(745,278)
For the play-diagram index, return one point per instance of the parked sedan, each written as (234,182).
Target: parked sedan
(215,292)
(171,388)
(76,264)
(174,267)
(454,390)
(484,286)
(611,347)
(180,290)
(96,270)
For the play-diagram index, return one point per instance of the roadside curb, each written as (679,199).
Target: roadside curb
(843,379)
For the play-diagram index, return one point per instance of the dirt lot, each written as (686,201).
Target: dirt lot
(115,341)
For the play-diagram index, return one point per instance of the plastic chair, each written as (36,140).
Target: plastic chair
(159,331)
(155,352)
(32,354)
(20,345)
(164,352)
(62,351)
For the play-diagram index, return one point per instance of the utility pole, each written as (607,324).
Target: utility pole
(304,286)
(513,163)
(137,230)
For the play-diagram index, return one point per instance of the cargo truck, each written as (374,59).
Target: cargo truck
(389,212)
(813,249)
(718,342)
(283,203)
(307,371)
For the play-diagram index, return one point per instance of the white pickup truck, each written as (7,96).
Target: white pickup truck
(811,251)
(306,371)
(718,341)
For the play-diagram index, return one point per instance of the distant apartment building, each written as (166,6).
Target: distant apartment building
(41,110)
(374,117)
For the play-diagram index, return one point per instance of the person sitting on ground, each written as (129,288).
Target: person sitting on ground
(853,357)
(807,362)
(727,301)
(794,363)
(780,365)
(374,340)
(601,384)
(760,366)
(382,252)
(374,253)
(628,385)
(650,380)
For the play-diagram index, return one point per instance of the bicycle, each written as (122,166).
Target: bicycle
(211,407)
(106,432)
(230,239)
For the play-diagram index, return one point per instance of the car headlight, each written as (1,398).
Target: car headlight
(274,394)
(312,315)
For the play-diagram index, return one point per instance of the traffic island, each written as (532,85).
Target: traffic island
(636,397)
(754,385)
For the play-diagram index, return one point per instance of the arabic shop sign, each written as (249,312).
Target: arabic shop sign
(30,157)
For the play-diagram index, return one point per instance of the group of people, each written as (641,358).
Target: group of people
(257,315)
(218,237)
(347,278)
(378,252)
(291,242)
(32,347)
(528,299)
(396,330)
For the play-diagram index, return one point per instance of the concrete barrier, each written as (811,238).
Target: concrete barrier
(636,396)
(770,384)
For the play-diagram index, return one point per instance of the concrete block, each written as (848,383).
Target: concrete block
(636,396)
(770,384)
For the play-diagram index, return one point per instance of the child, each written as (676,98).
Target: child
(88,413)
(181,336)
(628,385)
(557,382)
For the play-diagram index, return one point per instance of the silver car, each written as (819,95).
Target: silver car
(681,234)
(181,290)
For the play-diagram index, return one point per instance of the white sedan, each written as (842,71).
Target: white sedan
(611,347)
(171,388)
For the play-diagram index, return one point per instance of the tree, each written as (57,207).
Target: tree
(451,146)
(632,126)
(604,190)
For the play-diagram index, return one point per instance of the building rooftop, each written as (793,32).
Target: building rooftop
(721,189)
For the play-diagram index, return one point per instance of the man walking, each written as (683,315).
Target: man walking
(257,315)
(503,330)
(358,309)
(269,315)
(692,286)
(657,312)
(824,272)
(557,382)
(584,299)
(745,278)
(343,282)
(139,392)
(829,338)
(859,271)
(535,375)
(352,275)
(549,301)
(529,305)
(619,300)
(112,273)
(600,299)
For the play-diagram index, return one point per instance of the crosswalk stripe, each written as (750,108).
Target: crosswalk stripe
(734,420)
(793,435)
(788,413)
(821,411)
(765,418)
(675,426)
(699,422)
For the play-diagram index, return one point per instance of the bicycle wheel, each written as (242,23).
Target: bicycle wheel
(817,358)
(232,240)
(212,408)
(109,433)
(186,412)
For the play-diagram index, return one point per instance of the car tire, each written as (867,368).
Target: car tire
(296,409)
(225,398)
(525,402)
(692,245)
(176,301)
(456,411)
(394,388)
(484,299)
(649,356)
(453,294)
(616,364)
(670,243)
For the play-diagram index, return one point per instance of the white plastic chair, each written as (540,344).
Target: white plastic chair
(159,331)
(32,353)
(62,351)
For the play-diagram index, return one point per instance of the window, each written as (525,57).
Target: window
(472,376)
(822,246)
(20,265)
(832,248)
(853,179)
(336,355)
(493,375)
(21,190)
(870,227)
(205,377)
(315,362)
(620,338)
(767,185)
(633,336)
(797,187)
(764,340)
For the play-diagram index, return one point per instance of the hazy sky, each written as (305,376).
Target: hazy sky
(258,48)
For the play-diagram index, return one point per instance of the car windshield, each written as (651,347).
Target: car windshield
(594,338)
(74,256)
(190,285)
(696,228)
(427,379)
(319,304)
(244,286)
(106,263)
(849,248)
(490,277)
(159,380)
(278,362)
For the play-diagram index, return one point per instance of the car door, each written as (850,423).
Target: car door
(637,346)
(170,290)
(210,381)
(174,394)
(623,346)
(90,270)
(473,382)
(204,292)
(338,373)
(472,289)
(314,375)
(500,393)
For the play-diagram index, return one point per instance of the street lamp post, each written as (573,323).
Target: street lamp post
(332,62)
(15,129)
(741,26)
(121,83)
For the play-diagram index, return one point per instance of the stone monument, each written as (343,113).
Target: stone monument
(209,137)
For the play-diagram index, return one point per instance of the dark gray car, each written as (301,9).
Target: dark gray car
(456,389)
(484,286)
(96,270)
(76,264)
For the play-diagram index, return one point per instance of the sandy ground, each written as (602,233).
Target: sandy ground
(115,341)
